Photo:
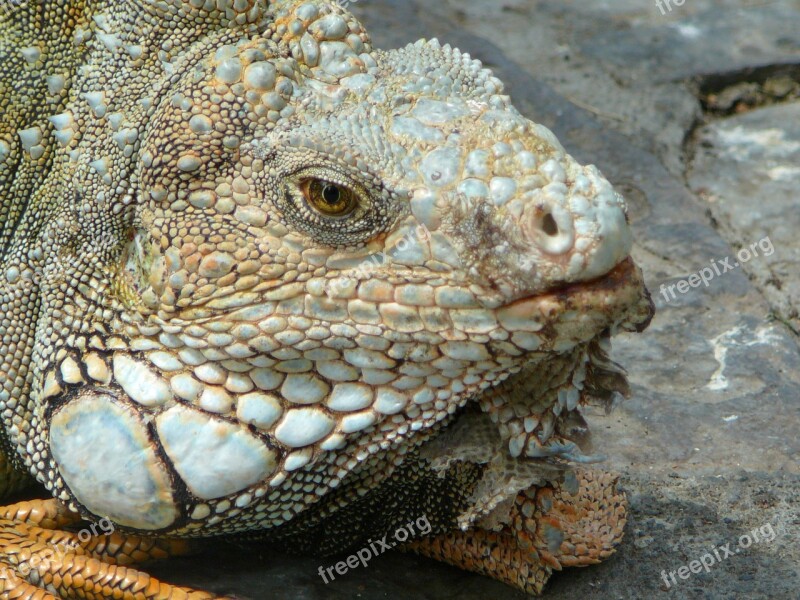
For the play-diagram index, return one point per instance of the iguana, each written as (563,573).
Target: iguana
(258,276)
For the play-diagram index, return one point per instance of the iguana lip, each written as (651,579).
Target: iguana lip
(620,294)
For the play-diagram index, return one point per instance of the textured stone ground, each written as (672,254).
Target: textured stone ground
(709,445)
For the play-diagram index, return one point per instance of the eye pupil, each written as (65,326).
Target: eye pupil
(329,198)
(331,194)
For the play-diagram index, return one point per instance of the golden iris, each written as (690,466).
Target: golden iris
(329,198)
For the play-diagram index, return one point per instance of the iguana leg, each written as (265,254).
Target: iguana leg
(550,528)
(38,558)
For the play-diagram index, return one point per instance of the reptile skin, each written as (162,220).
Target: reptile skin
(256,275)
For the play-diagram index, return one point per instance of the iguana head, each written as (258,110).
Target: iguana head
(423,144)
(320,252)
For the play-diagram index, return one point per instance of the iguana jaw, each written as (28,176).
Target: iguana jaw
(618,299)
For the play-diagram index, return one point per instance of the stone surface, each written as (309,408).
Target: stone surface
(747,169)
(708,446)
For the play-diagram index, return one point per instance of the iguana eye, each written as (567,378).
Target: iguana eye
(328,198)
(334,204)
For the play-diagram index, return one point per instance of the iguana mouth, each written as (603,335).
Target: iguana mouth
(624,284)
(621,291)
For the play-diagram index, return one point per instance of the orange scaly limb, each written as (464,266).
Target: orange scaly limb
(37,559)
(550,528)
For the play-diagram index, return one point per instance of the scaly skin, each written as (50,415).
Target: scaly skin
(258,276)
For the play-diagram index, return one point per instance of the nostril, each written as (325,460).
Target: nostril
(549,225)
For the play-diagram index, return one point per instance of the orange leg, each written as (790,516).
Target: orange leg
(550,528)
(39,560)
